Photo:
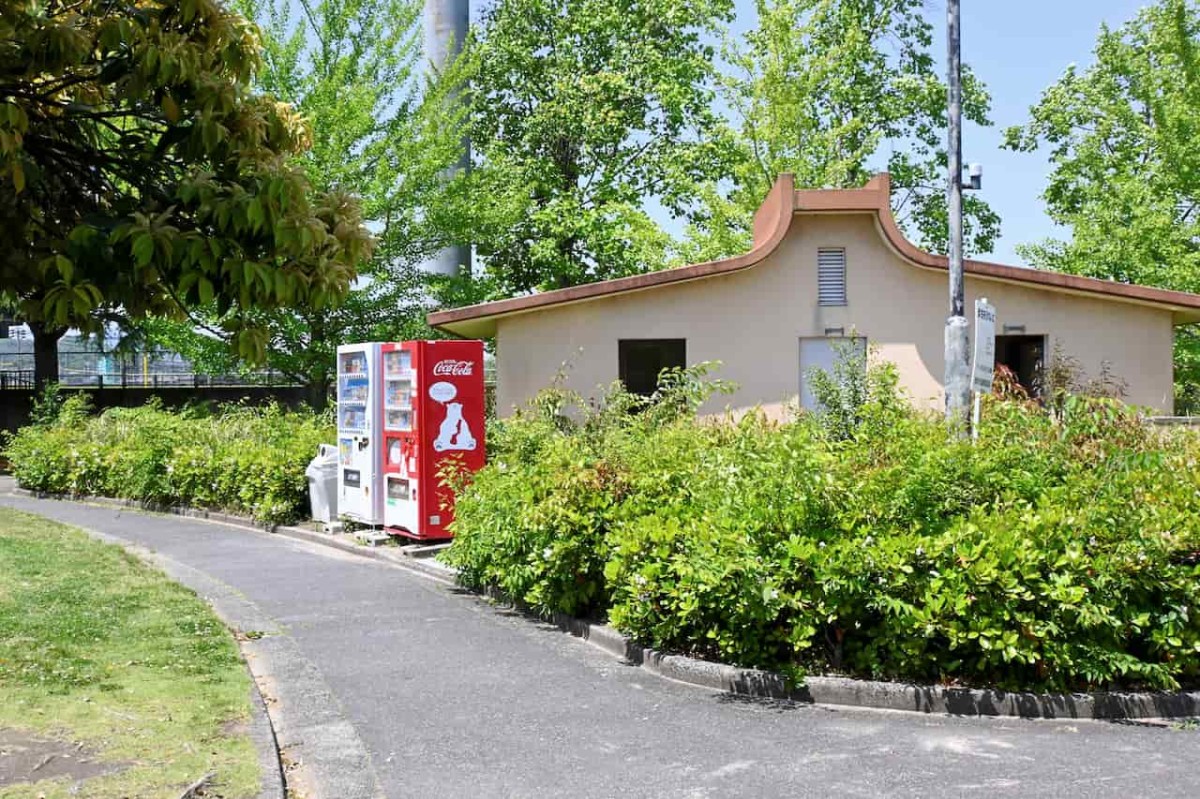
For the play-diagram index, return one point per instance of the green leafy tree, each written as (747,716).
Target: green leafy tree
(584,112)
(140,175)
(1125,168)
(353,68)
(826,89)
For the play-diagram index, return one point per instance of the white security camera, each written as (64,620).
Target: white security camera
(975,173)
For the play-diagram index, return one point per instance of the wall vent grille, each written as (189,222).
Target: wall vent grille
(831,276)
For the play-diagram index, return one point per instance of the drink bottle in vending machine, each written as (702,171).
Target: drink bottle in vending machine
(433,412)
(360,448)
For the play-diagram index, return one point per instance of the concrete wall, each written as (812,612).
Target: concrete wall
(752,322)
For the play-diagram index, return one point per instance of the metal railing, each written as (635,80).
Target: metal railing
(16,378)
(23,379)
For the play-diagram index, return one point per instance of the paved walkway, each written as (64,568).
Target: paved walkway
(454,698)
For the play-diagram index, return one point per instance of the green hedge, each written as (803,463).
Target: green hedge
(247,460)
(1058,553)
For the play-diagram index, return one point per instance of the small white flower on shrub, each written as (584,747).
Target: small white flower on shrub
(547,553)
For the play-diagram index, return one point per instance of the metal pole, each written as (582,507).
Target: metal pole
(446,25)
(957,382)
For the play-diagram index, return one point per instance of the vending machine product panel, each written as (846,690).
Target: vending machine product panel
(401,467)
(433,413)
(359,443)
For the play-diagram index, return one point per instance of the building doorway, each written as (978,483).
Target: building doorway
(1025,357)
(824,353)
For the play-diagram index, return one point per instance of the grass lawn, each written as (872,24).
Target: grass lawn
(100,650)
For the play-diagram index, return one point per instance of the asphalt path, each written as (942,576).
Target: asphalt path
(455,698)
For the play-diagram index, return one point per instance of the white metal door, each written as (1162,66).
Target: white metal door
(821,353)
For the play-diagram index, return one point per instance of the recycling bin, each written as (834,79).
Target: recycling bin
(322,474)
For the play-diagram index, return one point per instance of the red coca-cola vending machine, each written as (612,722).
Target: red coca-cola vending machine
(433,410)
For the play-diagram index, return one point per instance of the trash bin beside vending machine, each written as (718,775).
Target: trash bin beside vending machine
(433,411)
(322,474)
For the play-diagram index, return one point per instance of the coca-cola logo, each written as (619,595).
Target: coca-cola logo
(455,368)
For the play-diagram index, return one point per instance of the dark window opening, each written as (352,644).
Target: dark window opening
(1024,356)
(641,361)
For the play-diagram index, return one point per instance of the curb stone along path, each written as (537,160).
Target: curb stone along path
(884,695)
(764,684)
(301,723)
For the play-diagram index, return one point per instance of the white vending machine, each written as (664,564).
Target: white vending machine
(360,442)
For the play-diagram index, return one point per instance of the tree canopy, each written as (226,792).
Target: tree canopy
(354,69)
(141,175)
(584,112)
(832,90)
(1125,170)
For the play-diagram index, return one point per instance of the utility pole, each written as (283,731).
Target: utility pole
(957,379)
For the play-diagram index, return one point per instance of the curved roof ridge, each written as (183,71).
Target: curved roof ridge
(771,224)
(876,197)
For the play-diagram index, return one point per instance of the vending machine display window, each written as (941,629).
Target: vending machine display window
(399,392)
(397,362)
(352,417)
(354,391)
(399,419)
(353,363)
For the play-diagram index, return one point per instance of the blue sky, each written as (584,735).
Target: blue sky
(1019,48)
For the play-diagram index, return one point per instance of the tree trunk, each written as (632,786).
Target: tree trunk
(45,353)
(318,394)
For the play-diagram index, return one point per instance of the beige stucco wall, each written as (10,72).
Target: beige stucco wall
(752,322)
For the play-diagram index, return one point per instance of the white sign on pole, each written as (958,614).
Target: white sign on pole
(983,366)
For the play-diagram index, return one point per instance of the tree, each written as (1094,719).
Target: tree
(352,67)
(823,88)
(1125,168)
(585,111)
(140,175)
(355,69)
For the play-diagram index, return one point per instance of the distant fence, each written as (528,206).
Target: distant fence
(23,379)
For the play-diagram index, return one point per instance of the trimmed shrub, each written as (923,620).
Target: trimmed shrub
(1060,552)
(241,459)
